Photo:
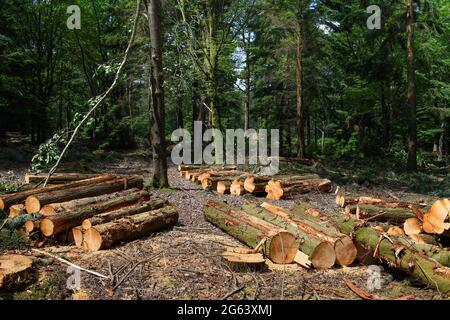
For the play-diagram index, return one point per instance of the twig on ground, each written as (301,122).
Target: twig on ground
(70,263)
(232,292)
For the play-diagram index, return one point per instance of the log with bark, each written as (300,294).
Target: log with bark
(383,214)
(104,236)
(257,184)
(8,200)
(223,187)
(320,251)
(150,205)
(211,182)
(278,189)
(58,223)
(59,178)
(33,204)
(54,208)
(17,210)
(406,258)
(305,217)
(276,244)
(237,187)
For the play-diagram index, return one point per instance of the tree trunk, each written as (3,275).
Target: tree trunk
(344,249)
(411,98)
(54,208)
(375,213)
(34,203)
(278,189)
(104,236)
(299,88)
(160,179)
(16,198)
(121,213)
(65,221)
(408,259)
(59,178)
(320,251)
(279,246)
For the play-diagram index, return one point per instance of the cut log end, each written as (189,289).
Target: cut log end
(47,210)
(47,227)
(222,187)
(244,261)
(412,226)
(32,205)
(283,248)
(345,251)
(77,235)
(30,226)
(324,256)
(2,205)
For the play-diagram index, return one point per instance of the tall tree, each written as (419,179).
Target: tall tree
(157,108)
(411,96)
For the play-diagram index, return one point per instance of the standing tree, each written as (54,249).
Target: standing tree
(411,97)
(156,99)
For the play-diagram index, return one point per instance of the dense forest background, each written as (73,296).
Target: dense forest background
(312,69)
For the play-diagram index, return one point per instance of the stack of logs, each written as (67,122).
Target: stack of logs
(409,237)
(228,180)
(92,211)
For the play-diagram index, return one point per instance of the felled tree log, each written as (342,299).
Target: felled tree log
(18,222)
(17,210)
(55,224)
(223,187)
(344,248)
(257,184)
(14,271)
(33,204)
(8,200)
(124,212)
(211,182)
(346,200)
(278,189)
(320,251)
(237,187)
(220,174)
(405,258)
(279,246)
(59,178)
(104,236)
(54,208)
(384,214)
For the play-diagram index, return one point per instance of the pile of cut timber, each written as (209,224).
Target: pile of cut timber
(99,211)
(323,243)
(418,221)
(408,236)
(228,180)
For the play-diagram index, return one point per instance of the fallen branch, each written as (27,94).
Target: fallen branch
(70,263)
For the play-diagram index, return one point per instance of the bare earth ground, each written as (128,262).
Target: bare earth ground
(183,263)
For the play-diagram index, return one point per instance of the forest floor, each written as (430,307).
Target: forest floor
(184,263)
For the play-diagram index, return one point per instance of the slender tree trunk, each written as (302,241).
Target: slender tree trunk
(385,117)
(299,72)
(159,179)
(411,99)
